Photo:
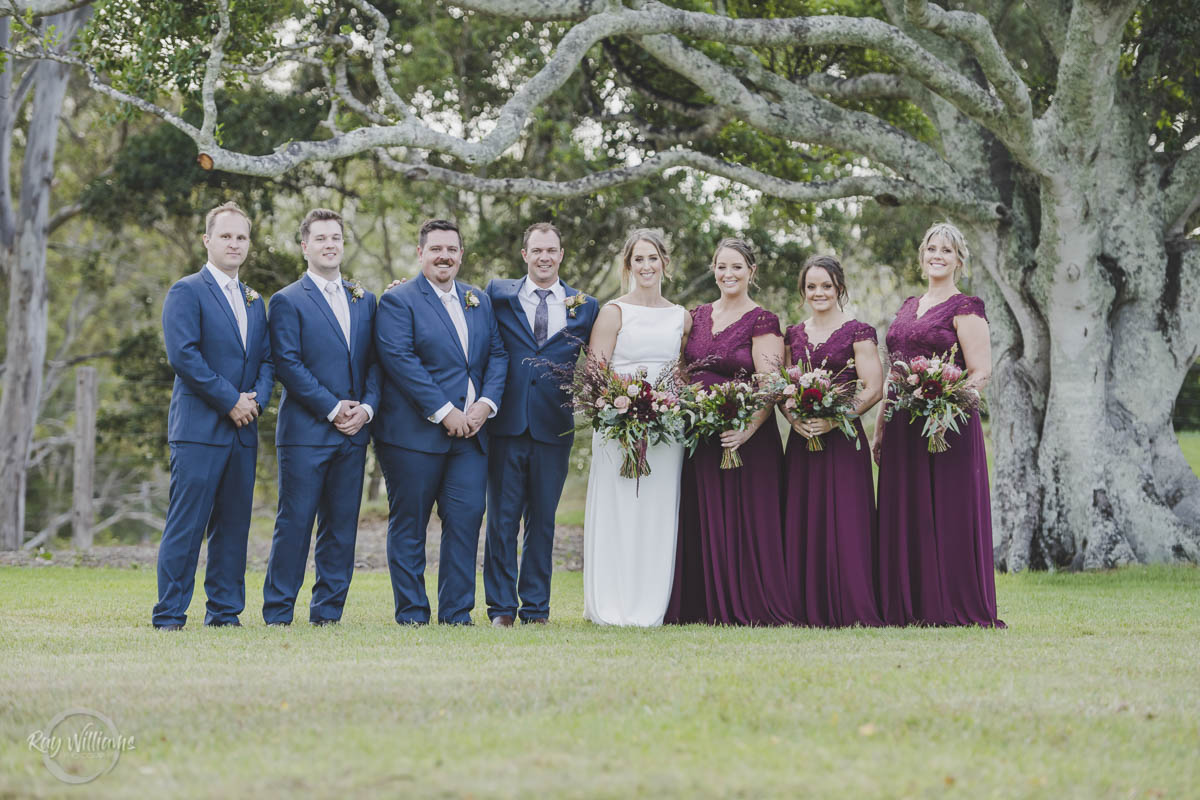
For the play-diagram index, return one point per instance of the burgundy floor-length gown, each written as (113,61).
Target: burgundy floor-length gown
(729,558)
(935,521)
(829,528)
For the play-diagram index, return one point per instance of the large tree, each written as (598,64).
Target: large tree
(1060,133)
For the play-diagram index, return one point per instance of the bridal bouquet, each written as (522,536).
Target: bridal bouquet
(936,389)
(723,407)
(631,410)
(816,393)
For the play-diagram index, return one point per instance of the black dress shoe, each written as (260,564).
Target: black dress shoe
(464,624)
(502,621)
(233,624)
(168,627)
(321,623)
(536,621)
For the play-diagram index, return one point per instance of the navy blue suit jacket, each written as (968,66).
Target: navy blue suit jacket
(423,365)
(212,367)
(533,400)
(314,365)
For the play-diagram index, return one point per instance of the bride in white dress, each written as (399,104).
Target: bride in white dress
(629,526)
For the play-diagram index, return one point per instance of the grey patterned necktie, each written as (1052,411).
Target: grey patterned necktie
(541,316)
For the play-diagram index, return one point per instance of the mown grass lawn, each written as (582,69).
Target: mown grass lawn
(1094,691)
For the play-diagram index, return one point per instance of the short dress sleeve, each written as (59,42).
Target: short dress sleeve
(862,332)
(969,305)
(765,324)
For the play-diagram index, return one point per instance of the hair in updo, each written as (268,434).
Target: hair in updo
(654,237)
(836,274)
(957,241)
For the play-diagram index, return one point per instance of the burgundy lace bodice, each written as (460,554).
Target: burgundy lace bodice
(932,334)
(834,351)
(729,354)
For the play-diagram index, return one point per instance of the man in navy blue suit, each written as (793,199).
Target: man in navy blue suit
(443,366)
(542,320)
(323,343)
(215,330)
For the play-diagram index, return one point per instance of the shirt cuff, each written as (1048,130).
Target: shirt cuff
(441,413)
(495,410)
(370,411)
(332,415)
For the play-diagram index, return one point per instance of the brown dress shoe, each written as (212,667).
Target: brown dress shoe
(502,621)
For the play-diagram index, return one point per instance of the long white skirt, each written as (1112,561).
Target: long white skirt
(629,532)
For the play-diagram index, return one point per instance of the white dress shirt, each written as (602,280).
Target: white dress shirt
(341,312)
(454,308)
(233,295)
(555,306)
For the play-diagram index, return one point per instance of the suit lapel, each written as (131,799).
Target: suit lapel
(569,292)
(470,315)
(251,330)
(435,300)
(317,297)
(518,310)
(223,303)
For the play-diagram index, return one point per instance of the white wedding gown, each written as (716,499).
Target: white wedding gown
(629,526)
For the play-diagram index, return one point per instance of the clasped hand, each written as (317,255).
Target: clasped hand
(732,440)
(245,410)
(808,428)
(350,418)
(464,426)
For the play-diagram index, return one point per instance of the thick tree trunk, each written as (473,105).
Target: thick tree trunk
(25,263)
(1089,471)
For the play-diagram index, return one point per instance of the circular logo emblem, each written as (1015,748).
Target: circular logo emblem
(79,745)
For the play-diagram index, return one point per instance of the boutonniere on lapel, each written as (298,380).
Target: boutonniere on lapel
(251,295)
(574,302)
(356,289)
(470,300)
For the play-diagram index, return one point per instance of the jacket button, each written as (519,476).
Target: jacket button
(533,382)
(462,399)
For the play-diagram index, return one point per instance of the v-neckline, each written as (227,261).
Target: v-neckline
(917,308)
(715,333)
(814,347)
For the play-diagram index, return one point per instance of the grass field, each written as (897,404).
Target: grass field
(1094,692)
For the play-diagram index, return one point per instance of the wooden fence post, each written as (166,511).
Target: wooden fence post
(83,515)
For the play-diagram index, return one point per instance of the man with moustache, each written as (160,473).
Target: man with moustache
(543,321)
(443,365)
(322,338)
(215,331)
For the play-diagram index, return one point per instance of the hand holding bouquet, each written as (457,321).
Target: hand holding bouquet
(936,389)
(809,393)
(631,410)
(723,407)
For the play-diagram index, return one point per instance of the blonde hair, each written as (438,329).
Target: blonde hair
(654,237)
(225,208)
(957,241)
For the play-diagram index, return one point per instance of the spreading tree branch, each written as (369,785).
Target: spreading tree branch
(976,32)
(889,191)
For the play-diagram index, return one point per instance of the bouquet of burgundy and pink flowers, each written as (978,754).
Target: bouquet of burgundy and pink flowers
(810,393)
(934,388)
(631,410)
(728,406)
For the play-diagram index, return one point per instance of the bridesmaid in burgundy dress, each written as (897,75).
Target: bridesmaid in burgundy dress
(729,559)
(829,509)
(935,523)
